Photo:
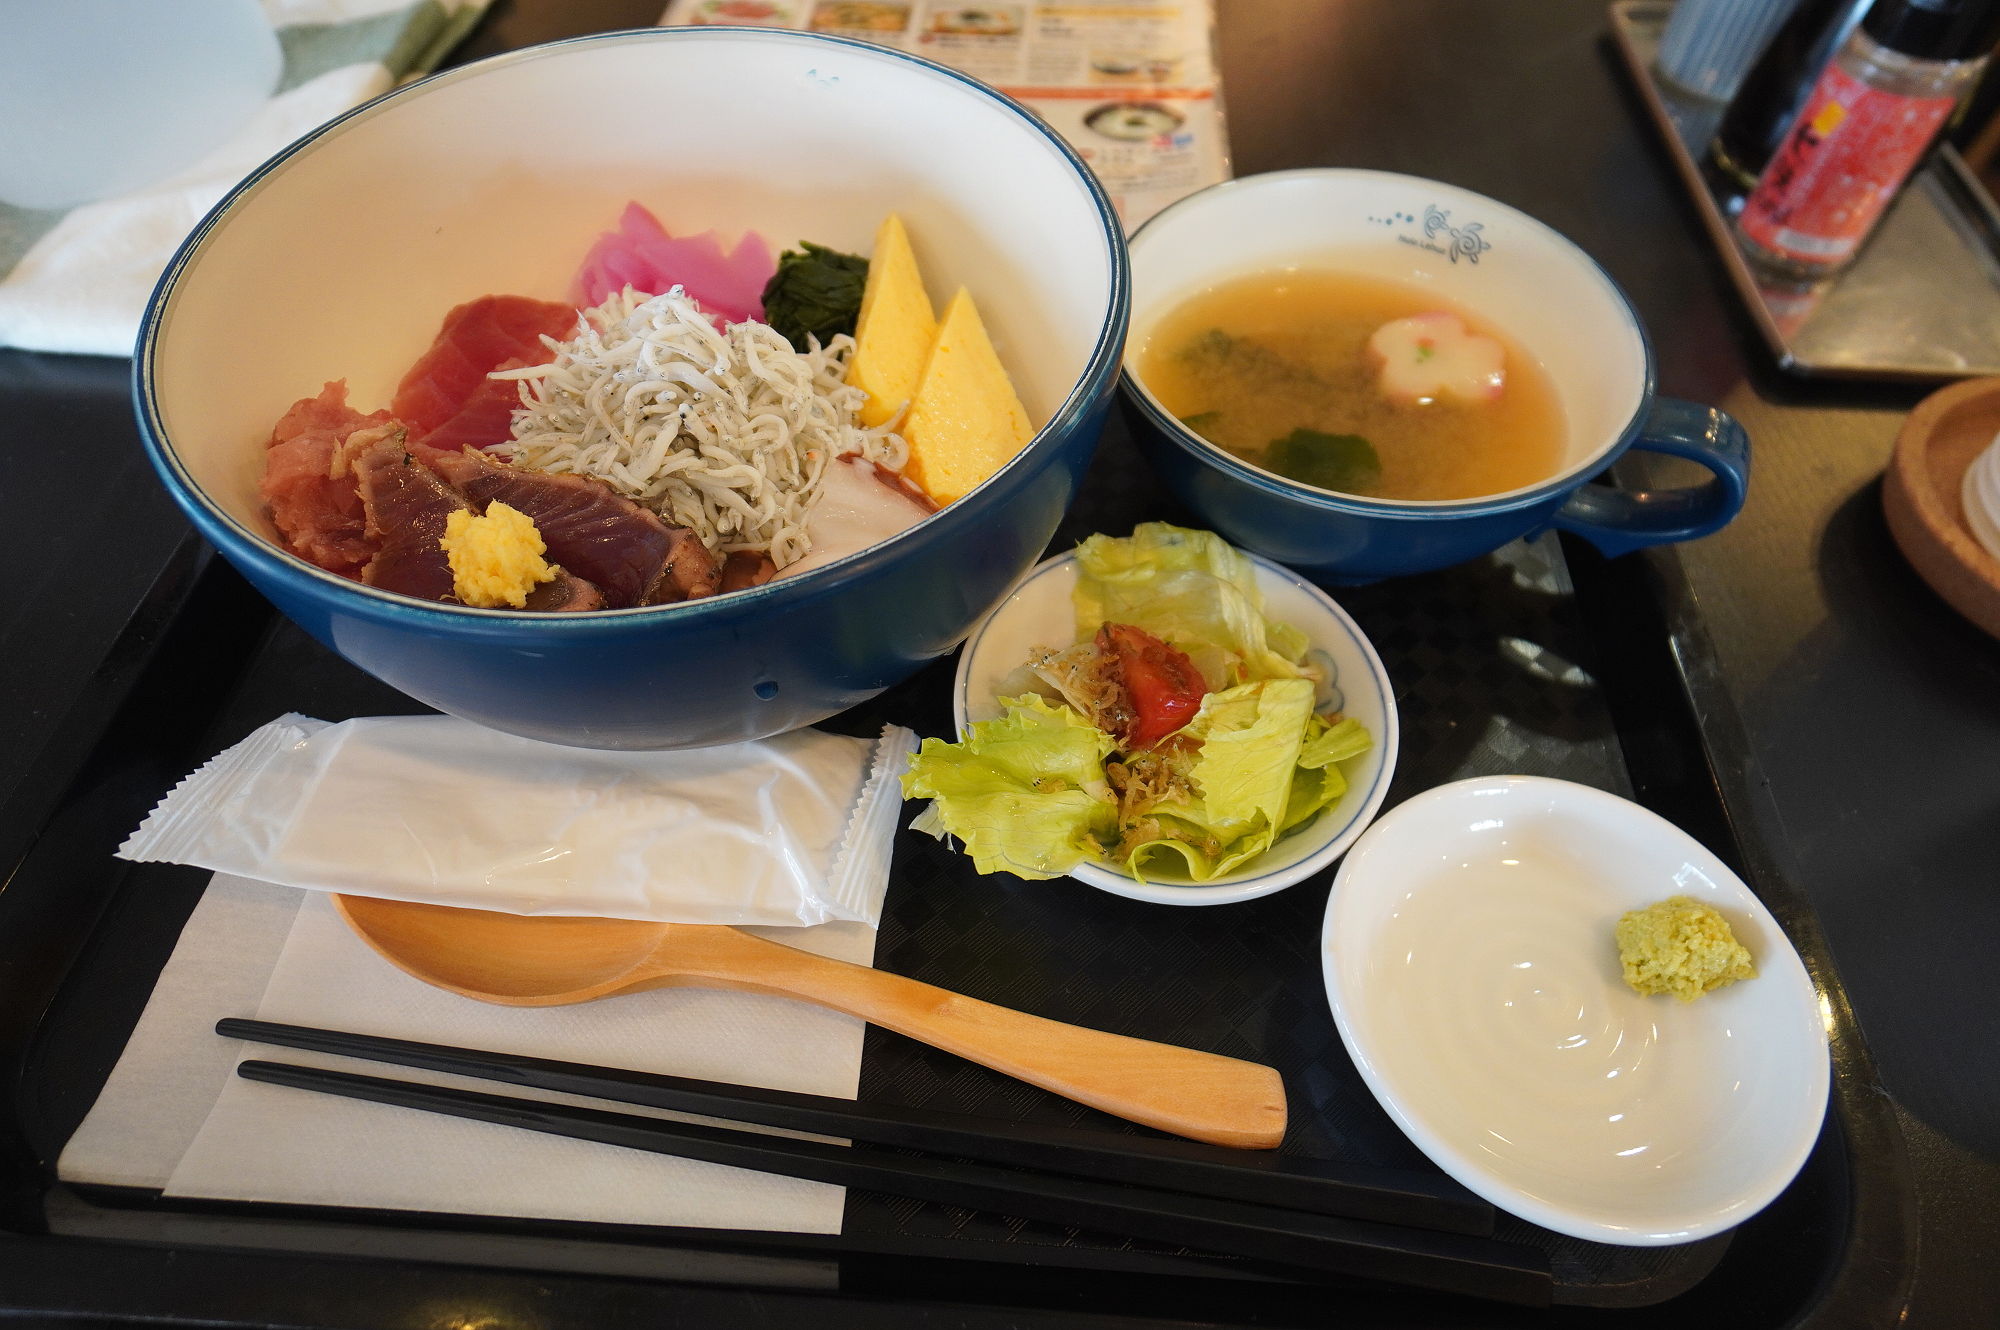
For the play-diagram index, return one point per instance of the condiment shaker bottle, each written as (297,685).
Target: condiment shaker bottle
(1874,111)
(1777,87)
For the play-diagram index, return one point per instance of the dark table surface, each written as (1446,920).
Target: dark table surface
(1852,721)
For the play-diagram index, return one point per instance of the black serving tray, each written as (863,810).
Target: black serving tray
(1537,660)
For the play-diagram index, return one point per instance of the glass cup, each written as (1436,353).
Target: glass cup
(103,96)
(1709,45)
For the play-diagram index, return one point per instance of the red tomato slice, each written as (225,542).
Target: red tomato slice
(1163,684)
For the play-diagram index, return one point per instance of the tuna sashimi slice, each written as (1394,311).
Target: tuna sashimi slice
(407,506)
(318,513)
(601,537)
(449,380)
(567,594)
(743,569)
(640,254)
(327,414)
(690,572)
(485,418)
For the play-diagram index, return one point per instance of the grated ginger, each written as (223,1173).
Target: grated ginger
(496,559)
(1680,946)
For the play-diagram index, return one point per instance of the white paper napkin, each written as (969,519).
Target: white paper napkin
(174,1114)
(79,280)
(173,1065)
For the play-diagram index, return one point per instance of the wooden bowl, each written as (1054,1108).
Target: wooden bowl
(1921,496)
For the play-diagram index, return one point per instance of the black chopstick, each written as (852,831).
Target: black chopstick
(1447,1262)
(1384,1196)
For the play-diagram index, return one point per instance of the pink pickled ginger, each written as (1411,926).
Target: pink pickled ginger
(640,254)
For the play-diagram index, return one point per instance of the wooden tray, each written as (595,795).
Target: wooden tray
(1921,493)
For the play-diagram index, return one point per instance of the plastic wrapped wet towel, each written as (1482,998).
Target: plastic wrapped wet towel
(783,831)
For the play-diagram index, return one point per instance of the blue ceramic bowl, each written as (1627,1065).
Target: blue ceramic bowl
(1480,257)
(339,257)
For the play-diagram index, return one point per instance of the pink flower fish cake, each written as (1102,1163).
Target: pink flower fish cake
(1425,357)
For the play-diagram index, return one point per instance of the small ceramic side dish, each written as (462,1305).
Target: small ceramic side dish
(1039,612)
(1941,495)
(1474,976)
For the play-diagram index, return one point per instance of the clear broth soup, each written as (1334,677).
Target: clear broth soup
(1275,368)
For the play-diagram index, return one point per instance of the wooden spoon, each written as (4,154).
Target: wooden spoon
(548,961)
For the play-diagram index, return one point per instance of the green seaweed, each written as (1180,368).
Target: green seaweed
(815,291)
(1344,462)
(1218,351)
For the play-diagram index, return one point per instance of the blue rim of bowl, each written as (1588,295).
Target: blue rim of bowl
(1194,893)
(1493,1188)
(1397,509)
(225,531)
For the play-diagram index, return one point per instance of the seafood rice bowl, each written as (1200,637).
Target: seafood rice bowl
(695,419)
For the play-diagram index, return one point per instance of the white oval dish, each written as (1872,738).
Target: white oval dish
(1038,612)
(1474,977)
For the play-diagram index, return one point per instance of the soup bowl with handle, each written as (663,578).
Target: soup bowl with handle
(339,258)
(1479,257)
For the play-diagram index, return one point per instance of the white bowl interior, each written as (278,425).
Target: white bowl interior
(342,261)
(1040,612)
(1979,495)
(1529,281)
(1472,970)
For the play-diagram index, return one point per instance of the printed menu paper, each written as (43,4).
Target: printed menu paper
(1130,83)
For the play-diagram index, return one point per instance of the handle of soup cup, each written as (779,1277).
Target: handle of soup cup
(1618,521)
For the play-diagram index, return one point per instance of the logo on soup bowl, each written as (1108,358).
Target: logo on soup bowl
(1462,242)
(1362,375)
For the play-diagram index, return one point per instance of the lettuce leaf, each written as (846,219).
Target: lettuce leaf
(1318,784)
(1327,744)
(1026,792)
(1190,588)
(1250,740)
(1251,737)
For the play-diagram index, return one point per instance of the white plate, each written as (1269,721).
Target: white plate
(1474,977)
(1039,612)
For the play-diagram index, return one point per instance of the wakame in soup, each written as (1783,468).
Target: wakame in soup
(1357,384)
